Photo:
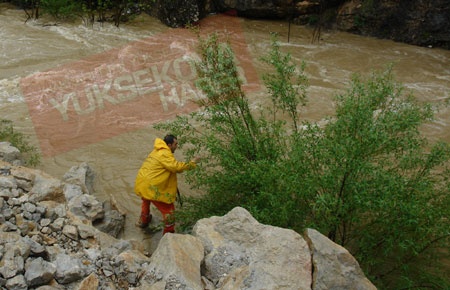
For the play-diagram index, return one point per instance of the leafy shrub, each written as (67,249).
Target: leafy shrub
(20,141)
(367,179)
(61,9)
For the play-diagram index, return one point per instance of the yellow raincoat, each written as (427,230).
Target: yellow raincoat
(157,178)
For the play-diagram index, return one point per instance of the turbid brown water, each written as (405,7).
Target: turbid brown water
(32,47)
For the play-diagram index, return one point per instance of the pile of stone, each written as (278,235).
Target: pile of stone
(52,236)
(57,234)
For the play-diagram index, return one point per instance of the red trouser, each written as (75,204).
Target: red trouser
(167,211)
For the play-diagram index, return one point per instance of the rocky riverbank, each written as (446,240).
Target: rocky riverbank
(418,22)
(54,234)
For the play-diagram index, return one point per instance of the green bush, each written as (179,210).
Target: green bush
(20,141)
(367,179)
(374,184)
(61,9)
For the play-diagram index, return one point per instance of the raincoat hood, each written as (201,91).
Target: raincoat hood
(160,144)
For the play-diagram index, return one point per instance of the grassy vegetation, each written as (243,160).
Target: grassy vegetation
(8,133)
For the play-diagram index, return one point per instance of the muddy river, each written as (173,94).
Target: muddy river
(45,64)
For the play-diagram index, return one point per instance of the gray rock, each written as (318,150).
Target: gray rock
(23,198)
(10,237)
(179,256)
(24,178)
(58,224)
(93,254)
(222,260)
(5,193)
(8,152)
(112,222)
(46,230)
(68,269)
(86,206)
(41,210)
(13,264)
(17,283)
(131,278)
(82,175)
(60,211)
(46,188)
(107,273)
(252,255)
(36,249)
(86,231)
(45,222)
(72,190)
(22,248)
(39,272)
(29,207)
(49,209)
(123,245)
(37,217)
(70,231)
(8,213)
(53,251)
(24,228)
(28,215)
(10,227)
(110,253)
(334,266)
(24,184)
(7,182)
(16,192)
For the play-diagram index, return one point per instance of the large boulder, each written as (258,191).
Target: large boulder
(39,272)
(11,264)
(82,175)
(46,187)
(68,269)
(87,206)
(242,253)
(334,266)
(177,261)
(71,190)
(17,283)
(112,222)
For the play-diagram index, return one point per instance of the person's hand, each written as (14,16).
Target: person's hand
(196,159)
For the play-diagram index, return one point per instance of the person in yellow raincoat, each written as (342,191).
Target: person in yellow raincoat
(156,181)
